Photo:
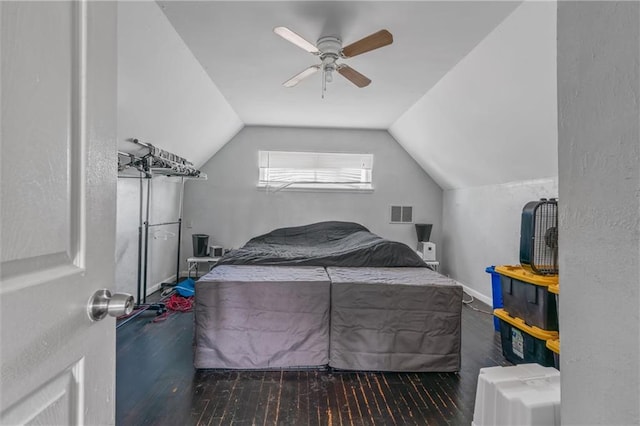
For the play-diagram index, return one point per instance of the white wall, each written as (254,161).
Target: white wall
(230,208)
(493,118)
(163,241)
(599,182)
(482,228)
(487,133)
(167,99)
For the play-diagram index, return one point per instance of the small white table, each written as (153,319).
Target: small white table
(433,264)
(193,262)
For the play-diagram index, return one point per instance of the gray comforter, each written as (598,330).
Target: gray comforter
(323,244)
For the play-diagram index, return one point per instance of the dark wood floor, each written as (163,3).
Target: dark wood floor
(157,384)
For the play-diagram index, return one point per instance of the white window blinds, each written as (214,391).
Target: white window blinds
(315,170)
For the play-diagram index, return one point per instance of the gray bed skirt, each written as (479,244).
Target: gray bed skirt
(370,319)
(394,319)
(262,317)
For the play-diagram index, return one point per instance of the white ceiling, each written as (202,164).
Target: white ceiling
(235,44)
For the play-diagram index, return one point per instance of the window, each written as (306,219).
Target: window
(315,171)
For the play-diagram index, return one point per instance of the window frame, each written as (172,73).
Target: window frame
(306,160)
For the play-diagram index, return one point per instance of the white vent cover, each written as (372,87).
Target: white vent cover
(401,214)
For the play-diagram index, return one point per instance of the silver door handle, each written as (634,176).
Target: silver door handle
(103,303)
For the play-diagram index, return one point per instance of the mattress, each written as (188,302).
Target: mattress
(261,317)
(394,319)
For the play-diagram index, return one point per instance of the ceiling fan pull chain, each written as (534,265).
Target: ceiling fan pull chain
(324,82)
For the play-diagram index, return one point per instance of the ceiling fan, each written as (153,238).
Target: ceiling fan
(329,49)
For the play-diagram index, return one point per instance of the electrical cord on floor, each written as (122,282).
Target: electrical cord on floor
(176,303)
(468,303)
(167,292)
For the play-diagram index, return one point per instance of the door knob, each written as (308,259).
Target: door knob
(103,303)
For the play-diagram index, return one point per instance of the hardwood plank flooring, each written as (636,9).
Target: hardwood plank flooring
(156,384)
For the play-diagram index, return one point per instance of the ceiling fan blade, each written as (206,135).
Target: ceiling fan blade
(370,42)
(301,76)
(294,38)
(353,76)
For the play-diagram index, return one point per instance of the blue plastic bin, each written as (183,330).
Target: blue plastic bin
(496,291)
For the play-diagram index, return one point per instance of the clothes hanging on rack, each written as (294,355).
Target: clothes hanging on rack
(156,161)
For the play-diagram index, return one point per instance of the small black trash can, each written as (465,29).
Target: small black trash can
(200,245)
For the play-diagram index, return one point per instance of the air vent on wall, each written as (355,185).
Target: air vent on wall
(401,214)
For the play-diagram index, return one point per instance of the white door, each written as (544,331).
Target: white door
(58,168)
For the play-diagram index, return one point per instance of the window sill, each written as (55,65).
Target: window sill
(314,188)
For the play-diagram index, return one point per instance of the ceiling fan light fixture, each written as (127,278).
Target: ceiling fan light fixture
(329,76)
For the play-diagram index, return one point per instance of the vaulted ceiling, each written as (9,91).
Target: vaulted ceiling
(468,88)
(235,44)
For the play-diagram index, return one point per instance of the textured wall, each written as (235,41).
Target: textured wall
(599,183)
(230,208)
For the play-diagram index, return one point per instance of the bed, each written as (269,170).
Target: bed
(323,244)
(330,293)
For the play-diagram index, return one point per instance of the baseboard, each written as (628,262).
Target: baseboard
(476,294)
(157,286)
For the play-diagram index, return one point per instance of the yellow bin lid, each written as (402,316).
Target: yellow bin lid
(555,288)
(520,273)
(518,323)
(554,345)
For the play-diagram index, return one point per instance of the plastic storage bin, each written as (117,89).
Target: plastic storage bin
(555,290)
(522,343)
(526,394)
(554,346)
(526,295)
(496,293)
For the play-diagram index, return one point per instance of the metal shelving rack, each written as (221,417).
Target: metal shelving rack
(154,162)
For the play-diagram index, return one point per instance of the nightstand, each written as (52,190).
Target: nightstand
(193,262)
(433,264)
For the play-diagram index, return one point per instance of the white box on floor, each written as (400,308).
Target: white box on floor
(525,394)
